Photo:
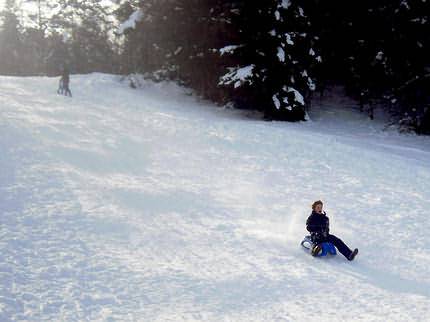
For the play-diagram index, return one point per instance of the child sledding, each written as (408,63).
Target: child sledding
(320,242)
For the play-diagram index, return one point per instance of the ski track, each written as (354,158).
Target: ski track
(152,205)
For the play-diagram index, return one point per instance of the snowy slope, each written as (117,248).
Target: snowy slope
(149,205)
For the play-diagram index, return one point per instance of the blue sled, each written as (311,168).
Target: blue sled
(327,248)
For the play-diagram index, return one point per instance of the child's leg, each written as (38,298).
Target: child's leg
(68,92)
(340,245)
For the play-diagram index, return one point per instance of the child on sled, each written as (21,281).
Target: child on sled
(318,225)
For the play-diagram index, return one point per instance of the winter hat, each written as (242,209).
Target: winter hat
(318,202)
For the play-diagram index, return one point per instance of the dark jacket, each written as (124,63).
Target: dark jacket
(65,77)
(318,225)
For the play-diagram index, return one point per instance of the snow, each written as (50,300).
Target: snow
(297,96)
(287,103)
(281,54)
(238,76)
(153,205)
(285,4)
(178,50)
(276,101)
(130,23)
(311,84)
(229,49)
(379,55)
(289,39)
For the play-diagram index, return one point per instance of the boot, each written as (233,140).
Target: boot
(353,254)
(316,250)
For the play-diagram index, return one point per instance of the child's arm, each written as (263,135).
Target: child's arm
(312,226)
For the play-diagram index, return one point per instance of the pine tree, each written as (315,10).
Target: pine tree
(59,54)
(408,54)
(276,54)
(35,38)
(174,40)
(86,25)
(10,41)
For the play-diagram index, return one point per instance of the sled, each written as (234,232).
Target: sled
(326,247)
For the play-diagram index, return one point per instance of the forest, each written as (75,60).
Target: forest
(271,56)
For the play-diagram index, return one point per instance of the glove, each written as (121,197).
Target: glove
(316,237)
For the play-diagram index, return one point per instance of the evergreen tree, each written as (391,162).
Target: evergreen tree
(174,40)
(10,41)
(87,25)
(35,38)
(379,51)
(277,55)
(408,55)
(59,54)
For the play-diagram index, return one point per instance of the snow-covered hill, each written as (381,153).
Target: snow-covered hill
(149,205)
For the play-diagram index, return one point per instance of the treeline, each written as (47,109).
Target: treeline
(61,33)
(274,55)
(269,55)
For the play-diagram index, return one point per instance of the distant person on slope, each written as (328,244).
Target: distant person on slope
(318,225)
(64,83)
(60,89)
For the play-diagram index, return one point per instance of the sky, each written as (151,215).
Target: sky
(30,8)
(24,7)
(3,1)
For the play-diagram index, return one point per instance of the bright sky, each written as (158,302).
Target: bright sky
(23,9)
(26,8)
(106,2)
